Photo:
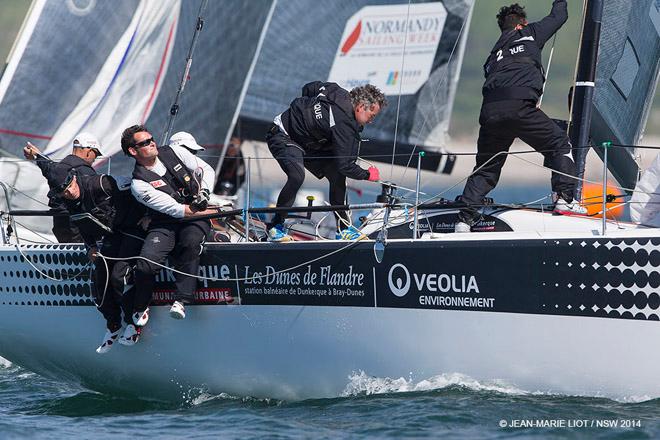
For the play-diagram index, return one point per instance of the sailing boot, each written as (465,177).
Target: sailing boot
(140,319)
(350,233)
(562,207)
(131,335)
(109,339)
(178,311)
(461,227)
(277,234)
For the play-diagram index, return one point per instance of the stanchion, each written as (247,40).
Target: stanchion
(419,174)
(606,146)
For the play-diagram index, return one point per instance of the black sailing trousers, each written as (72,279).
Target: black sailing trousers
(183,243)
(501,123)
(109,293)
(293,161)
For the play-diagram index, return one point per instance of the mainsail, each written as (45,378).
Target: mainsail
(626,80)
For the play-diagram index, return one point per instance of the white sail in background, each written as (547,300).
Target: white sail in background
(645,202)
(125,88)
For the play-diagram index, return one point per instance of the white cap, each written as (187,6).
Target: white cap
(87,140)
(184,139)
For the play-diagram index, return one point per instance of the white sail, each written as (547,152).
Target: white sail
(645,202)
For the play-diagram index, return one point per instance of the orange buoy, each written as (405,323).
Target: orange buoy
(592,199)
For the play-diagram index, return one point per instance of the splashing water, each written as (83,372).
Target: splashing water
(362,384)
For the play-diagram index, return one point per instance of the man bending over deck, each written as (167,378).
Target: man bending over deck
(174,184)
(513,86)
(320,131)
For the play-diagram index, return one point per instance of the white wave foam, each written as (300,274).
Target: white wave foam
(362,384)
(204,397)
(4,363)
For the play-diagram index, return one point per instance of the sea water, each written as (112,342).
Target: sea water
(448,405)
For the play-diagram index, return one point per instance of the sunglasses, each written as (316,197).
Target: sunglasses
(144,143)
(69,179)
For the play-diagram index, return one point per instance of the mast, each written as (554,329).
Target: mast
(585,83)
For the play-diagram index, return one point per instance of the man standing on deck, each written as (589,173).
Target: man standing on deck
(514,83)
(320,131)
(86,148)
(174,184)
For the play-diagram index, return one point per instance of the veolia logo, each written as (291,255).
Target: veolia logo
(399,285)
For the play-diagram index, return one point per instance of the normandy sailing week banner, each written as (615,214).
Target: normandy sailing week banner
(372,47)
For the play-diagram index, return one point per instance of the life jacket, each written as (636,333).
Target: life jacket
(310,118)
(177,182)
(95,200)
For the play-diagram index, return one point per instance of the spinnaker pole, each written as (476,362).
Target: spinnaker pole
(585,84)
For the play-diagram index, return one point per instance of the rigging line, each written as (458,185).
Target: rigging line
(435,94)
(43,237)
(464,179)
(547,71)
(246,84)
(26,195)
(174,109)
(587,180)
(200,277)
(45,275)
(648,147)
(398,104)
(525,160)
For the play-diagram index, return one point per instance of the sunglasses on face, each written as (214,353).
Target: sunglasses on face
(144,143)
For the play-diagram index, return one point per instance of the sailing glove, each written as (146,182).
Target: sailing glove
(374,174)
(201,201)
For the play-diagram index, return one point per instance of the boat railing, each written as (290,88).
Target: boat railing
(10,219)
(388,202)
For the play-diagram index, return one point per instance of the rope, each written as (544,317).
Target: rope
(200,277)
(45,275)
(547,71)
(435,94)
(398,104)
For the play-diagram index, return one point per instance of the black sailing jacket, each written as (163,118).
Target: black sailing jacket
(322,122)
(514,67)
(101,197)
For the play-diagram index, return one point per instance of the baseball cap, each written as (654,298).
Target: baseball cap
(184,139)
(87,140)
(59,179)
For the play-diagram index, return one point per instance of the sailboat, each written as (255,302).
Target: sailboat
(548,303)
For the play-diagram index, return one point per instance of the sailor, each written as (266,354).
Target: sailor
(174,184)
(514,83)
(320,132)
(232,171)
(112,228)
(86,148)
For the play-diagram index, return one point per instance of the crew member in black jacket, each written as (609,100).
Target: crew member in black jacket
(320,131)
(86,148)
(119,236)
(514,83)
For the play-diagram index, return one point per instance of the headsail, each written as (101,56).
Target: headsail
(626,80)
